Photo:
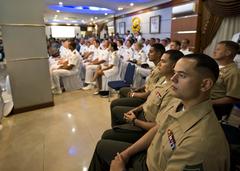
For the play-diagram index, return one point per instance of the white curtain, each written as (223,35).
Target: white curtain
(229,27)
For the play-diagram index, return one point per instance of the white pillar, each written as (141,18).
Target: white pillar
(24,40)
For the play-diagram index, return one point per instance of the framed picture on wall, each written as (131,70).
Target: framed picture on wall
(122,28)
(155,24)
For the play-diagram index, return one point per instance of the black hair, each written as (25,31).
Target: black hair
(97,41)
(174,55)
(158,48)
(120,41)
(114,46)
(72,44)
(177,42)
(205,62)
(232,46)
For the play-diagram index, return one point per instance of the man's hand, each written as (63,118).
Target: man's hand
(129,116)
(118,163)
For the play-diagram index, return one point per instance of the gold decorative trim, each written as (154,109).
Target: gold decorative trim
(22,25)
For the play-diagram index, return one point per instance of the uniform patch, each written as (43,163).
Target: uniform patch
(171,139)
(197,167)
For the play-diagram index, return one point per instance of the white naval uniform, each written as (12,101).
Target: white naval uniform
(74,59)
(111,74)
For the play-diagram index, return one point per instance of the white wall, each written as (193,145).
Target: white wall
(76,28)
(165,29)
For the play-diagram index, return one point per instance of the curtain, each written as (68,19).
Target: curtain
(229,27)
(223,8)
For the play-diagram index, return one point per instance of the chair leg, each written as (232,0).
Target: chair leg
(109,95)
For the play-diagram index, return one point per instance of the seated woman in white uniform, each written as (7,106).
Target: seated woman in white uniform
(70,67)
(107,71)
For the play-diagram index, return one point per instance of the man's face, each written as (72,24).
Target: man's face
(220,52)
(152,54)
(186,82)
(165,65)
(184,44)
(174,46)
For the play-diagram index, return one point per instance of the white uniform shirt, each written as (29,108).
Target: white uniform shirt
(140,56)
(74,59)
(104,56)
(83,49)
(127,54)
(64,52)
(186,52)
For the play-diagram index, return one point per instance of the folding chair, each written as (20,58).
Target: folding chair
(127,82)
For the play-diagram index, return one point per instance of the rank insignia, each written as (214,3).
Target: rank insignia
(171,139)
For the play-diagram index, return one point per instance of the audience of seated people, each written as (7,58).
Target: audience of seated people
(168,124)
(187,134)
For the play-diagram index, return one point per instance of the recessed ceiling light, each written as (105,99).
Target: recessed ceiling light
(91,19)
(131,4)
(58,10)
(60,3)
(120,8)
(96,18)
(106,14)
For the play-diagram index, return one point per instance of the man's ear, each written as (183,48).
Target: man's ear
(207,84)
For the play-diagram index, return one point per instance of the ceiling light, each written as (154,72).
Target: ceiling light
(76,24)
(106,20)
(60,3)
(90,23)
(106,14)
(96,18)
(68,24)
(131,4)
(91,19)
(120,8)
(58,11)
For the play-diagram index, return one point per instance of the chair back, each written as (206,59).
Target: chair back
(129,75)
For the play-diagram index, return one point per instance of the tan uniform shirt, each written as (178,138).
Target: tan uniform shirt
(152,79)
(155,99)
(189,140)
(228,83)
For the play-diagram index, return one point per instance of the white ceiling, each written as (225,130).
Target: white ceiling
(51,16)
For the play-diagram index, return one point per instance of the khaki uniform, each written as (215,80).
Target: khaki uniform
(153,78)
(189,140)
(155,99)
(228,83)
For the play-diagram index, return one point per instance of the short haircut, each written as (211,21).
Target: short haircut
(187,40)
(177,42)
(97,41)
(120,41)
(174,55)
(232,46)
(114,46)
(72,44)
(205,64)
(158,48)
